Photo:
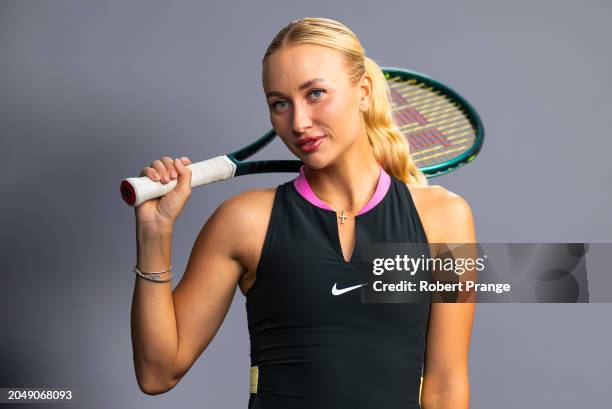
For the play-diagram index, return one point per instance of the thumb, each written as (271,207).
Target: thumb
(183,181)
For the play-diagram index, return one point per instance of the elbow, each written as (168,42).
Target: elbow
(155,378)
(153,381)
(155,387)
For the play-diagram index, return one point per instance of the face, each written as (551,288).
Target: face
(309,94)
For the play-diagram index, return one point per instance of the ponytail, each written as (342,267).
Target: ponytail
(389,145)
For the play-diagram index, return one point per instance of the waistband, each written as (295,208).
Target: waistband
(254,381)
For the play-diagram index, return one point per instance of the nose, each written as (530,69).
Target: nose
(301,118)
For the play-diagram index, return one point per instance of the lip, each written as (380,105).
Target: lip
(310,147)
(306,139)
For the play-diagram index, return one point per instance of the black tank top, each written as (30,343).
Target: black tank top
(313,349)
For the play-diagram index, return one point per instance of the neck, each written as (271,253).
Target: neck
(345,181)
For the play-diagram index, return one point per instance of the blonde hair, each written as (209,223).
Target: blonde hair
(389,145)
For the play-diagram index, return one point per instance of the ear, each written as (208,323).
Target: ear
(365,89)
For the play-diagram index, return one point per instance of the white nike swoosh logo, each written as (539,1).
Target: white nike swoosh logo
(335,290)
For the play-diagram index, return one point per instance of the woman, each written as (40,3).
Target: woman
(293,250)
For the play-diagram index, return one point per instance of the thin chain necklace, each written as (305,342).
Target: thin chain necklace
(343,216)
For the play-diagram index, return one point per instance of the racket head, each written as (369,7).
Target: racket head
(443,130)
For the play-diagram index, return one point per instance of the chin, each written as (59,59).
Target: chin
(315,162)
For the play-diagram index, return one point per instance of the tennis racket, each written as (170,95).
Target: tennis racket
(443,130)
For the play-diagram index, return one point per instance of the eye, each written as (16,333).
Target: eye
(318,90)
(274,104)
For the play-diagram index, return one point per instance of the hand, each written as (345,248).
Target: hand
(162,212)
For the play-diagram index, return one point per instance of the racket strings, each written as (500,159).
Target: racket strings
(435,125)
(436,108)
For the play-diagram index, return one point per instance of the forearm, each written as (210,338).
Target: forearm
(153,320)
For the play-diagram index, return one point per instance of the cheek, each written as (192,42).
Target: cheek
(283,131)
(331,112)
(342,116)
(279,123)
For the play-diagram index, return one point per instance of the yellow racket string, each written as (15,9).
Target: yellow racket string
(448,120)
(441,153)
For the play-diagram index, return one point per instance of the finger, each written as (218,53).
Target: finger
(169,163)
(150,173)
(186,160)
(184,176)
(160,168)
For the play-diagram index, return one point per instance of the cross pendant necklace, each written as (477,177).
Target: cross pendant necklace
(343,216)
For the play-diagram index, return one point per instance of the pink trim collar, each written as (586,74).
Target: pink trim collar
(301,185)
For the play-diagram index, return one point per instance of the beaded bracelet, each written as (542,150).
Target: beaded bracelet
(153,276)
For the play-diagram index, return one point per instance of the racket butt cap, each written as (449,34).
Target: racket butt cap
(128,193)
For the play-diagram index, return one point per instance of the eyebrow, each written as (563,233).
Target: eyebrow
(301,87)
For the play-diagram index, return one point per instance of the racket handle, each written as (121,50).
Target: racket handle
(135,191)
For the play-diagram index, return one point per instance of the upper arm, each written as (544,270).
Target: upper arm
(450,324)
(205,292)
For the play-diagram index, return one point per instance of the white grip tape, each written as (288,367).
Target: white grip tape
(202,173)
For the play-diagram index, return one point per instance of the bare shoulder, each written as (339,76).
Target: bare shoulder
(445,215)
(245,212)
(436,197)
(246,216)
(249,201)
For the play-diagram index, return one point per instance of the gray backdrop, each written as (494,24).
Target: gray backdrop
(92,92)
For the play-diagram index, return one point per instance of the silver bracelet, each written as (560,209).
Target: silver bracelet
(155,280)
(135,269)
(153,276)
